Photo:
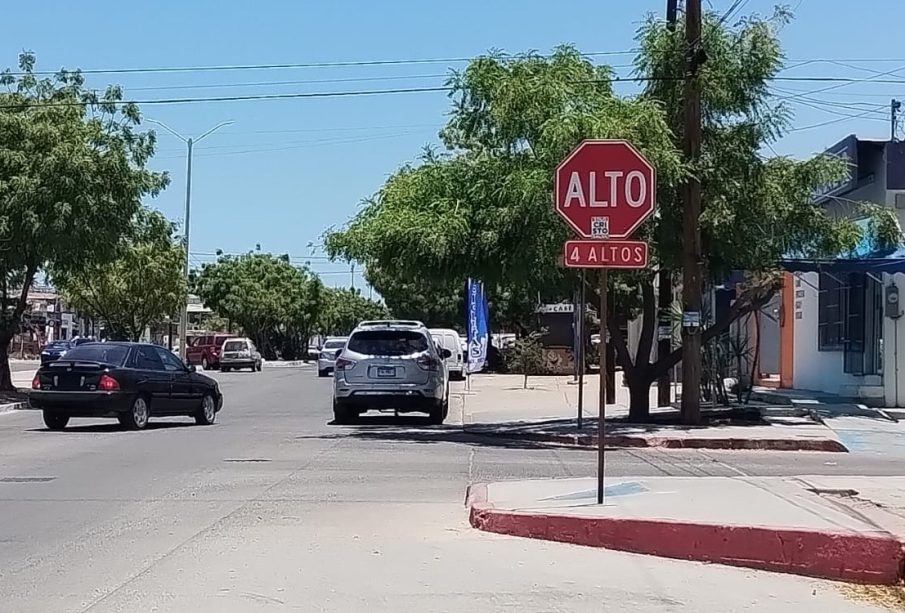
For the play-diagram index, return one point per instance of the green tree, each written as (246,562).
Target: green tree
(143,284)
(526,356)
(72,177)
(344,308)
(441,303)
(275,303)
(484,208)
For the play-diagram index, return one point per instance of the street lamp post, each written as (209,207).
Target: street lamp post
(190,142)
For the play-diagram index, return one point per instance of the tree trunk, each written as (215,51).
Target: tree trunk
(6,377)
(611,374)
(525,382)
(639,398)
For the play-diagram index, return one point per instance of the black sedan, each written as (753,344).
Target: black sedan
(54,350)
(128,381)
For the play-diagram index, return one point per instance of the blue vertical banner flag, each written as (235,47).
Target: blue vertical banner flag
(478,333)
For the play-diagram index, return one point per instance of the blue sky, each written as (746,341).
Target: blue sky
(289,169)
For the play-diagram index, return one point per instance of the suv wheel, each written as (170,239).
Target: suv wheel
(342,414)
(204,363)
(438,412)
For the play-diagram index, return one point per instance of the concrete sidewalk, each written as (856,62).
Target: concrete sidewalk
(22,380)
(848,529)
(497,405)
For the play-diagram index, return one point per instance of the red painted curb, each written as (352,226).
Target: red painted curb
(839,556)
(590,440)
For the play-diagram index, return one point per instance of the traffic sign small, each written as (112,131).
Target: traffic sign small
(605,254)
(605,189)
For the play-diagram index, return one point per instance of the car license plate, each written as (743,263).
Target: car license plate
(386,371)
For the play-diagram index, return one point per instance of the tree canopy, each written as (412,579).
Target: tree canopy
(72,177)
(141,285)
(483,208)
(275,303)
(343,308)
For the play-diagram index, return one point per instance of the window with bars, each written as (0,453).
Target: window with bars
(846,315)
(831,303)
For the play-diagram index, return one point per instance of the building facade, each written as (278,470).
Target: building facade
(841,327)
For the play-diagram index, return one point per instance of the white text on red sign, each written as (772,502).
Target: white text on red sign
(616,186)
(605,254)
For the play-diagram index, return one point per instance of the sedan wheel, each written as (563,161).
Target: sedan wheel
(54,421)
(137,417)
(208,411)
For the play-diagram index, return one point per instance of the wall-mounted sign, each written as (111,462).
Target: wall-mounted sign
(691,319)
(563,307)
(847,150)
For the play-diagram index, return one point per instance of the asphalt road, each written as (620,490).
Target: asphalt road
(274,509)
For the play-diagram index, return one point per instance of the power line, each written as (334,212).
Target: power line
(834,121)
(735,6)
(293,147)
(413,90)
(819,105)
(332,64)
(373,92)
(279,83)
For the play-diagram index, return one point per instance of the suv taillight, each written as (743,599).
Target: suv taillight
(428,363)
(343,363)
(36,383)
(107,383)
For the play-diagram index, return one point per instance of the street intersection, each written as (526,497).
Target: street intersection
(273,508)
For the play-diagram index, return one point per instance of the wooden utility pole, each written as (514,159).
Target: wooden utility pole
(691,235)
(664,289)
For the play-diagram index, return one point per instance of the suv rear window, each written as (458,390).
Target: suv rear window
(334,344)
(233,345)
(114,355)
(387,342)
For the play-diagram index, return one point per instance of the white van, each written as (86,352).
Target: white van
(449,339)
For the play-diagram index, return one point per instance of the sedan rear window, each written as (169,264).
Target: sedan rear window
(387,342)
(114,355)
(334,344)
(234,346)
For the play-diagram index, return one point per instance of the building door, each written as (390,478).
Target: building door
(768,336)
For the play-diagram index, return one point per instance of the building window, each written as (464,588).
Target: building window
(848,320)
(831,300)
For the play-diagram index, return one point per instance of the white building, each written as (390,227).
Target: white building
(841,326)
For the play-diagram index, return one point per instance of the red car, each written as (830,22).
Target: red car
(205,350)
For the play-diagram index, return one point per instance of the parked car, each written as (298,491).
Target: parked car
(128,381)
(239,353)
(390,365)
(327,355)
(450,339)
(205,350)
(54,350)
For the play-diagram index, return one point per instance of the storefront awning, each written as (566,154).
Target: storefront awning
(865,257)
(889,261)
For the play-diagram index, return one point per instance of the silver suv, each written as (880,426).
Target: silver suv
(390,365)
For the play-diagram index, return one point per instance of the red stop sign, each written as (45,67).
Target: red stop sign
(605,189)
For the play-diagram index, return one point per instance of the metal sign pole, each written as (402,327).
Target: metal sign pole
(601,416)
(581,340)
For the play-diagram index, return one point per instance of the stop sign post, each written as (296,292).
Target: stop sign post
(604,190)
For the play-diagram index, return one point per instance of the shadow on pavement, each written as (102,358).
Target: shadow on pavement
(115,427)
(419,430)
